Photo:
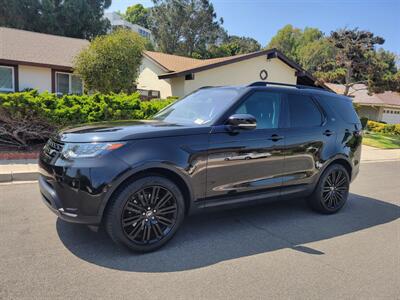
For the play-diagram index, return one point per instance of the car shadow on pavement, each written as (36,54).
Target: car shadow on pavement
(210,238)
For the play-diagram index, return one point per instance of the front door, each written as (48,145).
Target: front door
(247,161)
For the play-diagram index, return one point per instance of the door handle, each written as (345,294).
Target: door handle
(328,132)
(275,138)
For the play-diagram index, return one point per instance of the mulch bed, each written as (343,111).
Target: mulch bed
(12,153)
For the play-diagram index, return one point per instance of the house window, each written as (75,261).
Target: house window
(7,83)
(68,83)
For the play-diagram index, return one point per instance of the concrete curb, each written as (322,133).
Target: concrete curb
(19,176)
(22,170)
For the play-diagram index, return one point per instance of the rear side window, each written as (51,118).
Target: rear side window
(343,107)
(303,112)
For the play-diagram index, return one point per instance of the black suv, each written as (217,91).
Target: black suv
(218,146)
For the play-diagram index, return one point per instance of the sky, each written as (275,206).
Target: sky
(261,19)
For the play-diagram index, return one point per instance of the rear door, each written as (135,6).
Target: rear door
(247,161)
(307,137)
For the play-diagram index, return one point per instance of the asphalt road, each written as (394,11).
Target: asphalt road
(280,250)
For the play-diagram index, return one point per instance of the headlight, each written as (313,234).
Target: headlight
(80,150)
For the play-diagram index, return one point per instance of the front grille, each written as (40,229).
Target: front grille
(52,147)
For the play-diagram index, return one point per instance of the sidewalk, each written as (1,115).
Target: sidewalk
(375,154)
(18,170)
(27,170)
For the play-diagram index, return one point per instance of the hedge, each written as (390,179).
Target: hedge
(383,128)
(30,117)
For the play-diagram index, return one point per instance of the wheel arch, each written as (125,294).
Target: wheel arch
(151,170)
(341,161)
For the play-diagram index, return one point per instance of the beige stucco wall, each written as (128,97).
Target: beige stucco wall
(148,78)
(371,112)
(178,86)
(35,78)
(242,72)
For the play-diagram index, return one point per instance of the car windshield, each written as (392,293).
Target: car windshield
(199,108)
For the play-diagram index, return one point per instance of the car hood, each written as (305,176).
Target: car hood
(125,130)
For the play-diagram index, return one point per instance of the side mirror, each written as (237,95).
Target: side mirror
(242,121)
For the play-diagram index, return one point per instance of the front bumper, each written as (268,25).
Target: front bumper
(53,202)
(78,191)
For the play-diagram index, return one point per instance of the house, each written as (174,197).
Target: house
(36,60)
(117,21)
(178,75)
(44,62)
(382,107)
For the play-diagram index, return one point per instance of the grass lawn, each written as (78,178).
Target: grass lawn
(383,141)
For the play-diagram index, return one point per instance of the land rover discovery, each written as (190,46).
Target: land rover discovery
(216,147)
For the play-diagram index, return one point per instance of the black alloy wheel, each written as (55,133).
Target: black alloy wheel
(149,215)
(335,189)
(332,190)
(145,214)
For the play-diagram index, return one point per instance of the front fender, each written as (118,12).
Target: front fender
(140,167)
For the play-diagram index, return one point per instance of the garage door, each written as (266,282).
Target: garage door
(391,116)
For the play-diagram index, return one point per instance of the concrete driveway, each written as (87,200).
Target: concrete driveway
(280,250)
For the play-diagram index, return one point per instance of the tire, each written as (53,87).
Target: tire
(332,190)
(145,214)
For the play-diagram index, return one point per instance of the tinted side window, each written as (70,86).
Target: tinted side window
(303,112)
(264,106)
(343,107)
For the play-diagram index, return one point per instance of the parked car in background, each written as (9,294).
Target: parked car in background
(216,147)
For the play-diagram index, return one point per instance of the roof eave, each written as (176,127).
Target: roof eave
(214,65)
(378,104)
(34,64)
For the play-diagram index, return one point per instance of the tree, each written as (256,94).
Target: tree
(315,55)
(111,62)
(347,56)
(73,18)
(184,26)
(233,45)
(137,14)
(384,74)
(354,57)
(308,47)
(287,41)
(16,14)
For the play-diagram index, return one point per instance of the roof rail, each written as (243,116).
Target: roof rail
(299,86)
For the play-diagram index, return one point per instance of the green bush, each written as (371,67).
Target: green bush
(383,128)
(111,62)
(397,129)
(29,116)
